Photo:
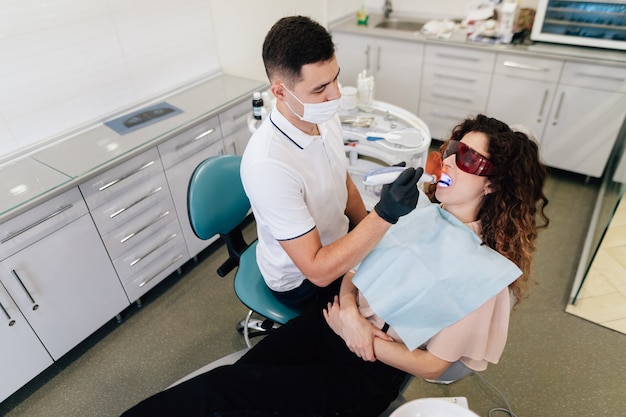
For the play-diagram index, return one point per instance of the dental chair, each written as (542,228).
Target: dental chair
(217,204)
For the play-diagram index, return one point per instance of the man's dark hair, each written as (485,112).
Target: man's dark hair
(292,42)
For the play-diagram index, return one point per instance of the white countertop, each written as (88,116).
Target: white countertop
(578,53)
(71,160)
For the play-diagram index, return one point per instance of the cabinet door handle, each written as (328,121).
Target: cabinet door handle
(233,146)
(11,235)
(596,76)
(236,116)
(449,97)
(173,261)
(367,57)
(194,140)
(444,115)
(123,209)
(142,257)
(455,77)
(459,57)
(543,106)
(35,305)
(378,59)
(6,313)
(130,174)
(136,232)
(558,109)
(517,65)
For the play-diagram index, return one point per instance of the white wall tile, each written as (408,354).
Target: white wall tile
(26,16)
(166,45)
(69,62)
(242,26)
(7,141)
(340,9)
(49,121)
(40,69)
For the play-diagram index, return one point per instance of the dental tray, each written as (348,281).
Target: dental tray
(357,121)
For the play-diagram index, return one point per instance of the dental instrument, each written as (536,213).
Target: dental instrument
(387,175)
(432,175)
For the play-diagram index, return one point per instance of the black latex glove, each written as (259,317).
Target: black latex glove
(399,197)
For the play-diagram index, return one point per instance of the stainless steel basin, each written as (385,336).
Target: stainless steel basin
(398,24)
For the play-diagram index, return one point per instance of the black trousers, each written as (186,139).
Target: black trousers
(302,369)
(308,293)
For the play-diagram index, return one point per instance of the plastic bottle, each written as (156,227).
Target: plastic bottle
(506,20)
(365,91)
(257,105)
(361,16)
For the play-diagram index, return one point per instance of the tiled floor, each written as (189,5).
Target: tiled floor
(602,298)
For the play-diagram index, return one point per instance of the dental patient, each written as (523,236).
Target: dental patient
(437,289)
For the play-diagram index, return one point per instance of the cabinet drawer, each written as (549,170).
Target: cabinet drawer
(124,177)
(140,228)
(235,118)
(178,178)
(528,67)
(460,58)
(147,264)
(598,77)
(40,221)
(457,88)
(190,142)
(441,119)
(142,256)
(126,206)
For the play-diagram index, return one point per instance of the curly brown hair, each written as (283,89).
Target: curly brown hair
(514,211)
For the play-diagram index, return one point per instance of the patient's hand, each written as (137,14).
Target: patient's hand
(354,329)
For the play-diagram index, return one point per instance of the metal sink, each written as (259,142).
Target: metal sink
(398,24)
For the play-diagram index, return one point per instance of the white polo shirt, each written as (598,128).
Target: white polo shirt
(295,182)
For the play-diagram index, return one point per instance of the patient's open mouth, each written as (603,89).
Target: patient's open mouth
(444,181)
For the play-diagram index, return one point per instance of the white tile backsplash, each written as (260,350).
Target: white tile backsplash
(57,65)
(169,44)
(68,62)
(7,141)
(48,121)
(29,16)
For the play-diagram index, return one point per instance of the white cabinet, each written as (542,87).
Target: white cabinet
(23,355)
(133,210)
(181,155)
(395,64)
(234,124)
(522,90)
(589,108)
(56,271)
(576,120)
(455,84)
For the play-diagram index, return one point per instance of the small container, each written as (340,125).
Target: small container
(348,97)
(365,88)
(257,105)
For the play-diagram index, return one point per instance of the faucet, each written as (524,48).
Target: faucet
(387,9)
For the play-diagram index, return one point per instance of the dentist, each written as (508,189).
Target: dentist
(312,224)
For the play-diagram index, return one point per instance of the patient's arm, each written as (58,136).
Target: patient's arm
(344,318)
(418,362)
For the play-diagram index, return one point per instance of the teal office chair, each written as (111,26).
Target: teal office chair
(217,205)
